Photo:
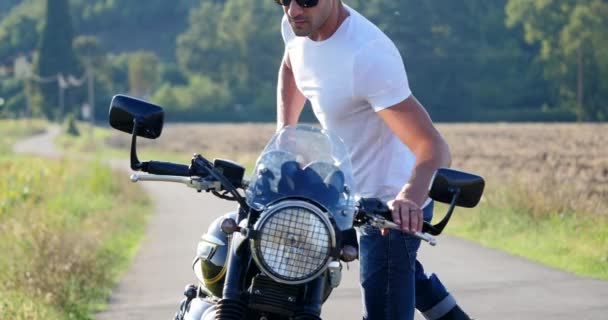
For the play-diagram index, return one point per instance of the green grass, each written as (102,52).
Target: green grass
(542,228)
(65,233)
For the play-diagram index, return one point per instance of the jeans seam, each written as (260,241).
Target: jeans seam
(388,275)
(411,256)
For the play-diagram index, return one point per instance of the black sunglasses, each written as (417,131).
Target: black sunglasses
(301,3)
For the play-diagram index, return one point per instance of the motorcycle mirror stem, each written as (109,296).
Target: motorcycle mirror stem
(135,163)
(437,229)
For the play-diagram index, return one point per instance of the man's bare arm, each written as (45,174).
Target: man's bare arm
(290,101)
(412,124)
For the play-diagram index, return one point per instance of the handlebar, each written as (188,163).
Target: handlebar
(166,168)
(382,223)
(222,177)
(371,210)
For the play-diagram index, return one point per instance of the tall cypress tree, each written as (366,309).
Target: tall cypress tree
(56,56)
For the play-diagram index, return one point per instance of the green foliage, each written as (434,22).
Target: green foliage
(171,73)
(19,30)
(115,73)
(461,60)
(153,25)
(229,51)
(70,124)
(201,92)
(523,115)
(143,73)
(6,6)
(20,306)
(14,102)
(89,51)
(56,56)
(467,60)
(573,47)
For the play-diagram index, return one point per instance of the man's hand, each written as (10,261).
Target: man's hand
(406,213)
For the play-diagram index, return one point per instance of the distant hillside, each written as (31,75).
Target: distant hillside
(157,36)
(134,25)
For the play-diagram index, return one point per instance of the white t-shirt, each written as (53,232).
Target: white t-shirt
(348,78)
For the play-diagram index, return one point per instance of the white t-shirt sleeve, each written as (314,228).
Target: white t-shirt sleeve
(379,75)
(286,31)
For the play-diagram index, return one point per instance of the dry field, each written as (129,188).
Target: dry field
(557,166)
(561,166)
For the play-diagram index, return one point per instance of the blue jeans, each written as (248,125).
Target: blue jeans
(393,282)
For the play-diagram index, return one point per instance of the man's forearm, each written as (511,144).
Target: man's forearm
(290,101)
(435,156)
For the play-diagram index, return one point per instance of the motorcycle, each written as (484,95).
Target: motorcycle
(280,254)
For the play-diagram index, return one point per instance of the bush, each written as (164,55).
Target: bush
(71,127)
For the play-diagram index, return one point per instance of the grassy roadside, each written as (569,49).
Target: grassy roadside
(14,130)
(65,234)
(536,222)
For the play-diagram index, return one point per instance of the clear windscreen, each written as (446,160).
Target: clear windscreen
(306,162)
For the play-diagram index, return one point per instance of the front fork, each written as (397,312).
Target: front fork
(314,297)
(233,305)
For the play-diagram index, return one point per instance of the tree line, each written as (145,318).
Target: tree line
(217,60)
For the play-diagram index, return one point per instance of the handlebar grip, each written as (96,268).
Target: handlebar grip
(166,168)
(427,227)
(375,206)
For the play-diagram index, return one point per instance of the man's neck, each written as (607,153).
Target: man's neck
(331,25)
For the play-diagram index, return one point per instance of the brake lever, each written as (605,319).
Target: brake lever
(376,213)
(381,223)
(197,183)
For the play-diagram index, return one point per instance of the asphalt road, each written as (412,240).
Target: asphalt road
(489,284)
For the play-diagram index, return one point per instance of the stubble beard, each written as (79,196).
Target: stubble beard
(301,31)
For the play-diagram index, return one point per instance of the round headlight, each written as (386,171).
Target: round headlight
(293,241)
